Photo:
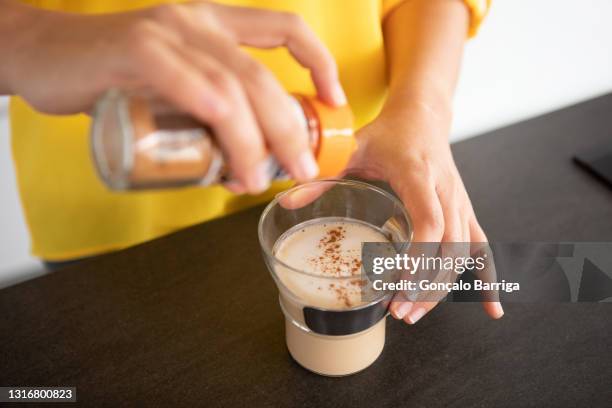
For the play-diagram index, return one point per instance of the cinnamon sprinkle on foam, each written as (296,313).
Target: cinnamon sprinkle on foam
(336,262)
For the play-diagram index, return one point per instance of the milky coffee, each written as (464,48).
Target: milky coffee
(327,251)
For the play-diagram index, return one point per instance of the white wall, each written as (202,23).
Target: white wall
(531,56)
(15,262)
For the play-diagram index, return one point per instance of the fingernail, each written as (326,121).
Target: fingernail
(416,315)
(235,187)
(339,95)
(499,310)
(260,180)
(307,167)
(402,310)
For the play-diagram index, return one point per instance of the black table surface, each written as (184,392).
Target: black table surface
(192,319)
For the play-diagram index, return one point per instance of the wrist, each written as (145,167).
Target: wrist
(419,114)
(428,102)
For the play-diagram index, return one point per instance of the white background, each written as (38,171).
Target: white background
(531,56)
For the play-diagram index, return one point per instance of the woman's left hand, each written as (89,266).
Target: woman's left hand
(408,147)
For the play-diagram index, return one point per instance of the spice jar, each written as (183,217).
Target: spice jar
(142,142)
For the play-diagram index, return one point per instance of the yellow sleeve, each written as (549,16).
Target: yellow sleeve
(478,10)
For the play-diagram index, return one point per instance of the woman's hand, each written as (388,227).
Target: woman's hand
(190,54)
(407,146)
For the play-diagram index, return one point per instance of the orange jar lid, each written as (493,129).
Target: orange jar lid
(336,137)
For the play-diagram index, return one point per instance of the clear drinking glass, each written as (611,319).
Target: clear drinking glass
(331,327)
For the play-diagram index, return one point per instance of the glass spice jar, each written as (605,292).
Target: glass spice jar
(139,141)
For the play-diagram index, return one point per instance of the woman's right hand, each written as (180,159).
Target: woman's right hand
(189,54)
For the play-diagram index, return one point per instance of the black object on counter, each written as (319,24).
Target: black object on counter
(598,162)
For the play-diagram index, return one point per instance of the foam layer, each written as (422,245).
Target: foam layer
(329,249)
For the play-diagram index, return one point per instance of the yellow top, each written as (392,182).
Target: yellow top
(71,214)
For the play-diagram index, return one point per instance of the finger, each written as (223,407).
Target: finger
(449,197)
(450,247)
(268,29)
(455,243)
(305,194)
(277,115)
(303,197)
(452,240)
(235,187)
(173,77)
(418,310)
(238,134)
(417,192)
(492,308)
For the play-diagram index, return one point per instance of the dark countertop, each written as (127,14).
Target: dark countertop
(192,319)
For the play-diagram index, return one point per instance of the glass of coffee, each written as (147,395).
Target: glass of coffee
(311,238)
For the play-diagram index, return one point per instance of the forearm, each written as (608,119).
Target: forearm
(424,41)
(15,20)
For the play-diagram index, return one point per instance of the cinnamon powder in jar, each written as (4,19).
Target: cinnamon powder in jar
(167,147)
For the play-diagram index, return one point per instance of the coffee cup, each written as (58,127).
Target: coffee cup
(311,238)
